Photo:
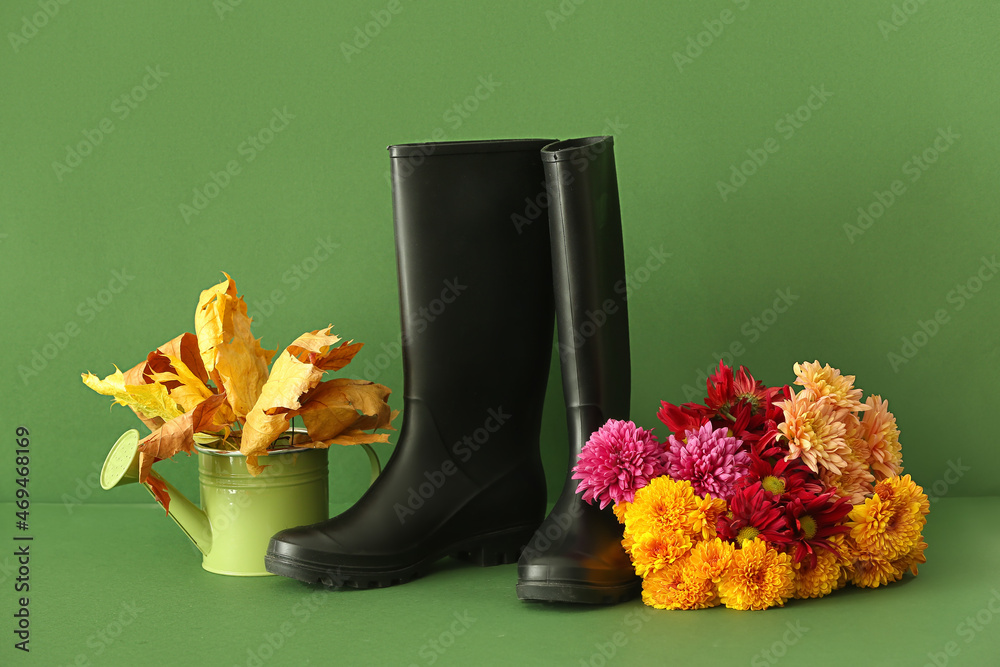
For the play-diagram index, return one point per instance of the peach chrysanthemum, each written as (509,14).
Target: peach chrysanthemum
(854,481)
(815,431)
(888,525)
(674,588)
(881,436)
(758,577)
(709,559)
(820,382)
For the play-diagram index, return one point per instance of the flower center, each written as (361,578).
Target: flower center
(775,485)
(746,534)
(808,526)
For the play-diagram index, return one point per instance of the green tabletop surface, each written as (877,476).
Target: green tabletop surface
(120,585)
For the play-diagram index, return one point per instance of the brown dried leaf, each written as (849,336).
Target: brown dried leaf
(177,435)
(316,347)
(343,406)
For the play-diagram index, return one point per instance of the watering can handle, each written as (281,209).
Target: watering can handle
(373,460)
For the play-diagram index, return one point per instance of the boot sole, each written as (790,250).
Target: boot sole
(497,548)
(578,593)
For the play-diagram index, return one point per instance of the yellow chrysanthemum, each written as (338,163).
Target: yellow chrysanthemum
(757,578)
(820,382)
(673,587)
(878,428)
(823,579)
(872,572)
(651,552)
(815,431)
(620,509)
(710,559)
(911,560)
(705,516)
(888,525)
(663,504)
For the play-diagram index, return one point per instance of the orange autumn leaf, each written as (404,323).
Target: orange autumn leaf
(230,353)
(177,435)
(297,371)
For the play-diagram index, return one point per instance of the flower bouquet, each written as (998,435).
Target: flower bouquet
(761,494)
(213,388)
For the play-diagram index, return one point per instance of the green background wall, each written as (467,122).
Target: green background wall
(686,88)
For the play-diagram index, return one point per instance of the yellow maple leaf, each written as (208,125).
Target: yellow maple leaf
(148,400)
(295,374)
(230,353)
(184,386)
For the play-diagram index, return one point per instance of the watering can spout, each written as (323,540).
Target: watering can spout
(122,467)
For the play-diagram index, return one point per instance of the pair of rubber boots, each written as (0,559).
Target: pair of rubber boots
(493,238)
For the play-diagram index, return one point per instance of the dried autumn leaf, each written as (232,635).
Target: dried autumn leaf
(147,400)
(316,347)
(289,379)
(184,347)
(297,371)
(213,319)
(185,388)
(230,353)
(340,411)
(177,435)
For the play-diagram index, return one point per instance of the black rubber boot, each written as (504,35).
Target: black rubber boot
(466,477)
(576,554)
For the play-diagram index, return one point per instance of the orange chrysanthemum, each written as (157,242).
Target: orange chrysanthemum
(674,588)
(757,578)
(815,431)
(888,525)
(881,436)
(619,509)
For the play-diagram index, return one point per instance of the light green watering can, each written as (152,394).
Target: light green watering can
(240,513)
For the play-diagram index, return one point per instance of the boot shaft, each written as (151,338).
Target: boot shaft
(589,279)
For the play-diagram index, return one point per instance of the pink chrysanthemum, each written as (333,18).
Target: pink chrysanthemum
(710,459)
(619,459)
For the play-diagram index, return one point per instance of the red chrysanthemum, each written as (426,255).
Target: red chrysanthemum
(783,479)
(754,512)
(737,402)
(813,521)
